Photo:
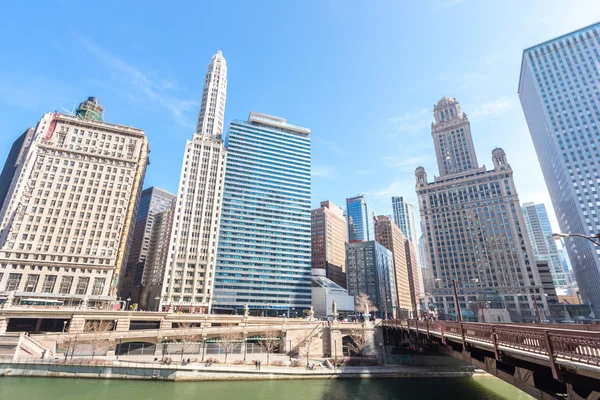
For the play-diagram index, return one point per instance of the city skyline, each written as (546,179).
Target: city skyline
(146,85)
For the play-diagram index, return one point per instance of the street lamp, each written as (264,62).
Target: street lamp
(165,342)
(381,350)
(294,311)
(127,304)
(458,311)
(537,309)
(115,325)
(64,326)
(592,238)
(156,299)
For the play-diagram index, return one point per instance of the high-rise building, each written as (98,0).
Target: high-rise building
(414,275)
(370,269)
(189,277)
(558,88)
(67,221)
(544,247)
(404,217)
(157,258)
(152,201)
(473,224)
(360,218)
(329,237)
(14,159)
(390,236)
(264,244)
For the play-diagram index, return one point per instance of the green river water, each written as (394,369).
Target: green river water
(334,389)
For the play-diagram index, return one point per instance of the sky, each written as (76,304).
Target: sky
(362,75)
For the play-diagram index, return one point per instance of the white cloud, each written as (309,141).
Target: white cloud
(492,108)
(401,187)
(362,172)
(410,122)
(404,162)
(149,88)
(324,172)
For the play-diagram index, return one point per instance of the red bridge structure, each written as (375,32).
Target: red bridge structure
(547,361)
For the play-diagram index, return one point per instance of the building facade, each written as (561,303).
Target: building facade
(404,217)
(370,269)
(189,277)
(544,246)
(152,201)
(360,218)
(67,221)
(390,236)
(265,239)
(559,94)
(473,224)
(328,241)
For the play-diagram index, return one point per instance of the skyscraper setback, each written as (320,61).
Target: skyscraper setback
(473,224)
(68,217)
(559,93)
(265,237)
(189,275)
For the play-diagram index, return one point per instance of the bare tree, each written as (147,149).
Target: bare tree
(363,304)
(99,332)
(72,343)
(229,340)
(360,343)
(270,342)
(187,335)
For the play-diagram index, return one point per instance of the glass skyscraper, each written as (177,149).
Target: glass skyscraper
(559,92)
(404,217)
(361,219)
(264,250)
(540,236)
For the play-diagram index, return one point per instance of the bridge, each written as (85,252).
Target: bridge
(547,361)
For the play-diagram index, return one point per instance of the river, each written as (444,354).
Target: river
(487,388)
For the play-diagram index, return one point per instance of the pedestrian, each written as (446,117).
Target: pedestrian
(259,364)
(255,364)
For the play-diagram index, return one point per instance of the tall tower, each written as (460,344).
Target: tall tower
(404,217)
(361,219)
(264,243)
(559,95)
(67,221)
(544,247)
(189,275)
(473,225)
(329,238)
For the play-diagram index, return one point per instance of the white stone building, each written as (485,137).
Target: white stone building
(67,221)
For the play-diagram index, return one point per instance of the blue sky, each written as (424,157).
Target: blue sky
(363,75)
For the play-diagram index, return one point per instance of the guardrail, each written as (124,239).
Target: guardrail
(576,343)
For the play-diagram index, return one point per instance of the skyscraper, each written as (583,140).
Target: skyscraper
(329,237)
(67,221)
(189,276)
(370,269)
(473,224)
(264,244)
(14,159)
(152,201)
(544,247)
(391,237)
(559,92)
(404,217)
(360,218)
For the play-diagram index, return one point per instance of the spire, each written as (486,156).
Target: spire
(211,118)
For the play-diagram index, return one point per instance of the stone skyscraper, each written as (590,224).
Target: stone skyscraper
(264,243)
(473,224)
(559,92)
(189,276)
(329,237)
(67,221)
(544,247)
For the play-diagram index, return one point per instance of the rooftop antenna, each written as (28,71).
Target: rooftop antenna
(71,112)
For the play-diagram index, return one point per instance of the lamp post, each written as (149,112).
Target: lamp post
(165,345)
(156,299)
(294,311)
(381,350)
(458,311)
(592,238)
(120,344)
(537,309)
(127,303)
(115,325)
(64,326)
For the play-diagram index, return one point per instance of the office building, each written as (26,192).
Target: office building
(361,219)
(370,269)
(473,223)
(188,282)
(390,236)
(325,293)
(16,156)
(328,241)
(559,94)
(544,247)
(404,217)
(265,240)
(67,221)
(152,201)
(414,275)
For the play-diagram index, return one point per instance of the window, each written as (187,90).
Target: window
(31,284)
(49,283)
(65,285)
(98,286)
(13,282)
(82,285)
